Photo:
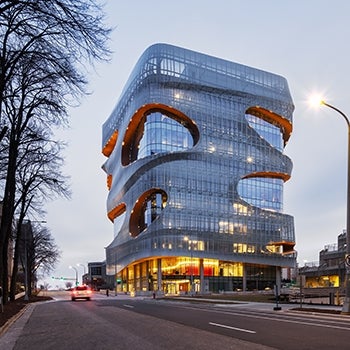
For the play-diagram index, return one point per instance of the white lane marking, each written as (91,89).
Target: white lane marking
(277,319)
(129,306)
(229,327)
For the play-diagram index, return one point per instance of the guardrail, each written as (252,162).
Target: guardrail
(327,296)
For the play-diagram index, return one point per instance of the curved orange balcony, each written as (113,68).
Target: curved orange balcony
(134,130)
(284,124)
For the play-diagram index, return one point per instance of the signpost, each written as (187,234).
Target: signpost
(277,295)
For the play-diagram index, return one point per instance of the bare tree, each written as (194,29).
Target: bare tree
(45,286)
(68,284)
(46,47)
(46,253)
(31,157)
(38,178)
(3,132)
(39,250)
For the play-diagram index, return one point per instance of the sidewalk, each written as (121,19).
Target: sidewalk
(322,308)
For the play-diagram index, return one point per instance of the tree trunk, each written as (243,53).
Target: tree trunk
(13,284)
(7,215)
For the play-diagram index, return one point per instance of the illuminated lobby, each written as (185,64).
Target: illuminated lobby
(196,169)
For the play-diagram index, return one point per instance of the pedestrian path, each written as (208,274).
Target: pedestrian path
(261,305)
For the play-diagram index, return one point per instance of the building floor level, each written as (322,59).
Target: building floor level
(176,276)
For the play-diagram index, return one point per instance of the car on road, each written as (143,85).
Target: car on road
(81,292)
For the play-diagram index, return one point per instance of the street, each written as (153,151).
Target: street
(143,323)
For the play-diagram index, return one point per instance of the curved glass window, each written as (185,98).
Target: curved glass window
(163,134)
(269,132)
(146,210)
(265,193)
(153,207)
(157,128)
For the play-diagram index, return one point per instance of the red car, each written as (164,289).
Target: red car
(81,292)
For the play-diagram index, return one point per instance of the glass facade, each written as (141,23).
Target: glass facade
(196,169)
(262,193)
(162,134)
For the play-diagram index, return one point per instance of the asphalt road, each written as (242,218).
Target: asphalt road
(137,323)
(259,324)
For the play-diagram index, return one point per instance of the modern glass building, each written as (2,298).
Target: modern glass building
(195,171)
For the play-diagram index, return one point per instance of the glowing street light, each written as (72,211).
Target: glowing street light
(76,274)
(315,100)
(346,304)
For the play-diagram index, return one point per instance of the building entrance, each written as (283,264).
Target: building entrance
(176,287)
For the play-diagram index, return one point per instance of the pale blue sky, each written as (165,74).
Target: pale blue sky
(306,41)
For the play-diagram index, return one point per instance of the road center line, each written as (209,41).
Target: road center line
(230,327)
(129,306)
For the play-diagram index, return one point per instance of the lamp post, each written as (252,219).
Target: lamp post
(190,246)
(76,274)
(26,294)
(346,304)
(82,277)
(115,273)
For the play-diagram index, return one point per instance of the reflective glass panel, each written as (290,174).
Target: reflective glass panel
(154,206)
(117,223)
(269,132)
(264,193)
(163,134)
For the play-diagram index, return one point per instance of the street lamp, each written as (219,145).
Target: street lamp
(115,273)
(76,274)
(82,277)
(346,304)
(190,246)
(26,286)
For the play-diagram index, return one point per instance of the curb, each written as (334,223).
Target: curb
(319,312)
(13,319)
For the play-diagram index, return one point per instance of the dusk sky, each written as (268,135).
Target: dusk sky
(307,42)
